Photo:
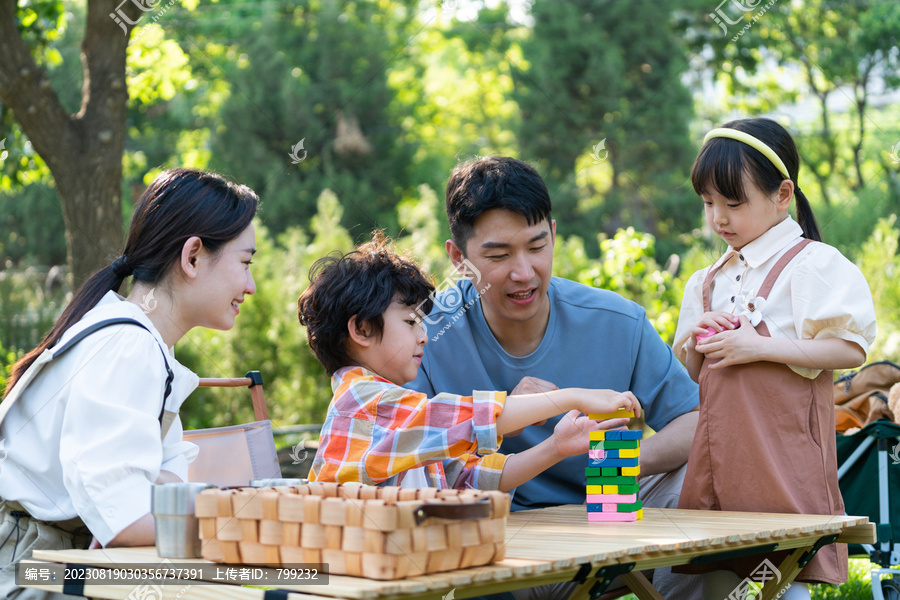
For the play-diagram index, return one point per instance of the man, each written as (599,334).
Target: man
(511,326)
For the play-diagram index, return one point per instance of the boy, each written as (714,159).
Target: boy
(360,315)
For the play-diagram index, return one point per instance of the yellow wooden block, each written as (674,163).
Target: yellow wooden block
(640,514)
(629,452)
(597,436)
(599,489)
(608,489)
(619,414)
(631,470)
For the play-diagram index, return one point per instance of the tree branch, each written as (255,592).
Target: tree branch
(25,88)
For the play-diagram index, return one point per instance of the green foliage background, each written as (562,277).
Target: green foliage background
(605,98)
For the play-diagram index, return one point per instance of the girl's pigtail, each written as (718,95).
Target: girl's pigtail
(805,217)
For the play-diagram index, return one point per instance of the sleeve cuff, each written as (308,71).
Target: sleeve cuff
(487,407)
(844,334)
(489,470)
(119,505)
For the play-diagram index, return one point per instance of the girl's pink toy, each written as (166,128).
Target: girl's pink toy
(710,332)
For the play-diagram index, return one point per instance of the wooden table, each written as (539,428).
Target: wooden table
(549,545)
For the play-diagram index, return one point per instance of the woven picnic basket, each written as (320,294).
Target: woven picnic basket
(360,530)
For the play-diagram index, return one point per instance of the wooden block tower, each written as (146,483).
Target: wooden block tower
(612,472)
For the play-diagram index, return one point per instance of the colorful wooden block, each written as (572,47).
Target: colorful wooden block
(624,434)
(628,489)
(630,470)
(606,507)
(615,517)
(613,444)
(619,414)
(612,462)
(601,498)
(618,480)
(630,507)
(600,453)
(625,452)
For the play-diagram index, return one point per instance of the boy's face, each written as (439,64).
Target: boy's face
(398,354)
(515,259)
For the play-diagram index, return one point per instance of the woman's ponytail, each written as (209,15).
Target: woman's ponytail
(179,204)
(805,217)
(87,296)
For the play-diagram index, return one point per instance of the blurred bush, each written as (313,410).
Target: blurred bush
(268,337)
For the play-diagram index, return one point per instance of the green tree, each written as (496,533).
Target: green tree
(837,49)
(602,79)
(307,104)
(83,150)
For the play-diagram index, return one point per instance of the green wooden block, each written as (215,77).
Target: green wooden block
(628,489)
(629,507)
(609,471)
(611,481)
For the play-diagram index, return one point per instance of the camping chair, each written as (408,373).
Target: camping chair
(869,460)
(232,456)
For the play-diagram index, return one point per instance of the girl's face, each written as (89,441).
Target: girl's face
(739,223)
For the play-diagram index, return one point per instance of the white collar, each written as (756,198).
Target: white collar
(767,245)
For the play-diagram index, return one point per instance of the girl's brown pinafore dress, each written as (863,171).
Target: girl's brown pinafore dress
(765,442)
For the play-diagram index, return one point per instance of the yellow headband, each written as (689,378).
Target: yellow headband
(750,141)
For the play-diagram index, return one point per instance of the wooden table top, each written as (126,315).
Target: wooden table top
(546,545)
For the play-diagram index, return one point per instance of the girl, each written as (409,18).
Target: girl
(90,424)
(761,330)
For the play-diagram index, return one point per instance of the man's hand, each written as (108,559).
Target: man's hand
(531,385)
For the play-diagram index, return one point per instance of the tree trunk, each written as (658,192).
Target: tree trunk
(862,95)
(83,151)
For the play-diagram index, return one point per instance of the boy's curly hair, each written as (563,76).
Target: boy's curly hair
(362,283)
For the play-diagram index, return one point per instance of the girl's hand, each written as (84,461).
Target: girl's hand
(712,323)
(740,346)
(570,436)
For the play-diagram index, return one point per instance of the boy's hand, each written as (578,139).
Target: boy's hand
(609,401)
(570,436)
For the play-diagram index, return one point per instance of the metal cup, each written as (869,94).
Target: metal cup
(177,528)
(277,481)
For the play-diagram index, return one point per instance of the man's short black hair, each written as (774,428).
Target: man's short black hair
(362,283)
(483,184)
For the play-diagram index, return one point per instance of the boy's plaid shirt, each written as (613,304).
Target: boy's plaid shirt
(376,430)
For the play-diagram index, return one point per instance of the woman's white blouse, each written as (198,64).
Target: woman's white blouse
(820,294)
(84,439)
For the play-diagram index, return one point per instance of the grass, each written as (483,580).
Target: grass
(858,588)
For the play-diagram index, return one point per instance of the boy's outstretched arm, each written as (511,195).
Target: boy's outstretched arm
(523,410)
(570,438)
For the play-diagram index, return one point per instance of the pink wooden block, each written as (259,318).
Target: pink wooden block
(617,498)
(611,516)
(597,453)
(610,507)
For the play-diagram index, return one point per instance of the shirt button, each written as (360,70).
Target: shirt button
(738,278)
(741,256)
(110,512)
(732,299)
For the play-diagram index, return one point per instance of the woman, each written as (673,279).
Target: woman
(89,425)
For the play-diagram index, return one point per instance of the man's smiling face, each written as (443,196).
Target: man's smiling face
(516,260)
